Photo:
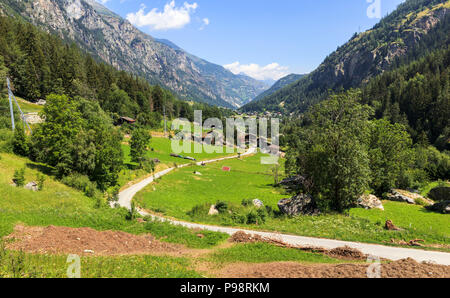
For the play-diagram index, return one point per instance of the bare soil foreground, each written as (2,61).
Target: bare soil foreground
(89,242)
(407,268)
(86,241)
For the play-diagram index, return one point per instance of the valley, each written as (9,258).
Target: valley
(357,171)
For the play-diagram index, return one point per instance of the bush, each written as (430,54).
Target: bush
(19,177)
(81,183)
(20,142)
(41,180)
(199,211)
(6,140)
(222,207)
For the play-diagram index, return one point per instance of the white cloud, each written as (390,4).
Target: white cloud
(205,22)
(172,17)
(273,71)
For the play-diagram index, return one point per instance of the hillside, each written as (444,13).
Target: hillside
(415,28)
(114,40)
(281,83)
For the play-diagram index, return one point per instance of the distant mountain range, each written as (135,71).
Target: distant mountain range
(116,41)
(414,29)
(281,83)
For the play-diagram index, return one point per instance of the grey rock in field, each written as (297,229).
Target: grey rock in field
(197,173)
(440,194)
(299,205)
(441,207)
(258,203)
(293,183)
(213,210)
(399,195)
(370,202)
(32,186)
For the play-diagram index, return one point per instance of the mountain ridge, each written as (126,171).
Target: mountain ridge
(116,41)
(363,57)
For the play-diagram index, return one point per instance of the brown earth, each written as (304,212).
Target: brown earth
(345,253)
(407,268)
(86,241)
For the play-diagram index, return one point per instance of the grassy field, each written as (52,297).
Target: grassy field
(161,150)
(60,205)
(176,194)
(266,253)
(28,107)
(20,265)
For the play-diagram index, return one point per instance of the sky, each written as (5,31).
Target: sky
(265,39)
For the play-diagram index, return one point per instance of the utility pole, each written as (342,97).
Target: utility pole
(11,104)
(22,115)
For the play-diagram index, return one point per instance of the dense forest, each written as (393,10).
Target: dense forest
(40,64)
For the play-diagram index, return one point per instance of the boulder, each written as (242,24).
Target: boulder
(258,203)
(440,194)
(441,207)
(399,195)
(32,186)
(213,210)
(197,173)
(293,183)
(370,202)
(299,205)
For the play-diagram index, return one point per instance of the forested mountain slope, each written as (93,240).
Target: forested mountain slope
(281,83)
(414,29)
(115,41)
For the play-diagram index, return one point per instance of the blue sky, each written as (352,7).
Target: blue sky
(263,38)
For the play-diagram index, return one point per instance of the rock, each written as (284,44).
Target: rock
(213,210)
(370,202)
(293,183)
(442,207)
(88,251)
(390,226)
(399,195)
(32,186)
(201,236)
(197,173)
(299,205)
(257,203)
(440,194)
(156,161)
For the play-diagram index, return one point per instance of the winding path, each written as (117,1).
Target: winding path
(387,252)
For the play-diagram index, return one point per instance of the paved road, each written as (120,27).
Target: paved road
(387,252)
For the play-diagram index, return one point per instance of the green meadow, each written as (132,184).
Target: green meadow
(177,194)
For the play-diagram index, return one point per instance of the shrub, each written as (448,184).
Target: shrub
(41,180)
(19,177)
(199,211)
(222,206)
(81,183)
(20,142)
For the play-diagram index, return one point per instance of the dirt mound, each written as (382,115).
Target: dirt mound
(407,268)
(347,253)
(242,237)
(86,241)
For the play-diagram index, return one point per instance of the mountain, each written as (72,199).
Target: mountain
(281,83)
(116,41)
(414,29)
